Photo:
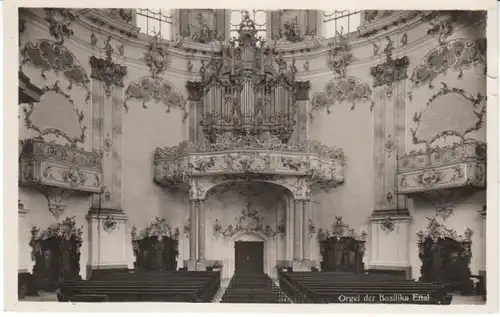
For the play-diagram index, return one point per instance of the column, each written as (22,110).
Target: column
(297,252)
(201,230)
(109,237)
(306,207)
(289,231)
(192,230)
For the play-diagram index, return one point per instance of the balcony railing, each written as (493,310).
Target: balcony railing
(460,165)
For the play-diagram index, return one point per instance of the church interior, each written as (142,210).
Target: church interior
(219,155)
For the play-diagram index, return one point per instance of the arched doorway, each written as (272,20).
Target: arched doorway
(248,221)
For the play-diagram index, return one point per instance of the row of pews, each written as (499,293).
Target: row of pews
(367,288)
(253,288)
(162,286)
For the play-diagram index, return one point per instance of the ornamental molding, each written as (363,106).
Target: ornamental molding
(159,90)
(456,55)
(350,90)
(51,56)
(478,109)
(115,20)
(339,230)
(29,108)
(249,221)
(107,71)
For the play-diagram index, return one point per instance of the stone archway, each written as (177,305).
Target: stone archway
(252,212)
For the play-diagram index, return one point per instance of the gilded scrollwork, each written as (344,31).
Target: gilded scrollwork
(148,89)
(29,108)
(50,56)
(350,90)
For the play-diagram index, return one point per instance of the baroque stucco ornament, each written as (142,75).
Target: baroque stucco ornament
(390,72)
(478,108)
(148,89)
(50,56)
(456,55)
(157,57)
(30,108)
(248,221)
(339,55)
(349,90)
(60,21)
(339,229)
(105,70)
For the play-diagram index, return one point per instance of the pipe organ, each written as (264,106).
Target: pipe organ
(247,89)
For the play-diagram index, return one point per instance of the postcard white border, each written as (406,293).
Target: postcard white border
(10,121)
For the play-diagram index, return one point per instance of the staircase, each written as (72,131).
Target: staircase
(253,288)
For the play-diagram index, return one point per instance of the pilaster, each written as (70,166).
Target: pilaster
(200,210)
(389,130)
(306,215)
(107,222)
(297,235)
(24,255)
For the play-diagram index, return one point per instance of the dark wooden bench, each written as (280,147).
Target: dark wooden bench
(338,287)
(155,286)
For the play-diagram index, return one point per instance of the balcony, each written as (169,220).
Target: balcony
(457,166)
(250,157)
(64,167)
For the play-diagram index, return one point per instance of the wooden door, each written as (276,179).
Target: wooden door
(249,256)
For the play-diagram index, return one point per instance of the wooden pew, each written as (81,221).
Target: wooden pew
(154,286)
(337,287)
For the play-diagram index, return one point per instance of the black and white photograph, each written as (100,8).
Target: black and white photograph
(252,156)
